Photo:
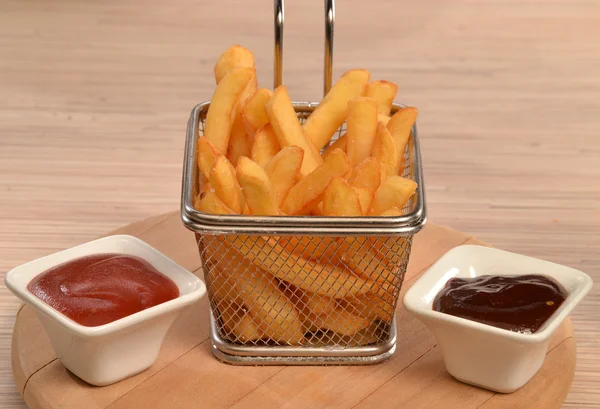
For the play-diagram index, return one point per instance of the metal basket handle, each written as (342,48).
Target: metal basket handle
(328,59)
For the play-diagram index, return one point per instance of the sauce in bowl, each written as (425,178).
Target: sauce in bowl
(102,288)
(516,303)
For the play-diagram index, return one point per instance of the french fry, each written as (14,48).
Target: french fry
(341,322)
(383,118)
(371,306)
(207,154)
(253,112)
(362,124)
(208,202)
(365,197)
(394,192)
(323,279)
(319,304)
(240,143)
(283,170)
(340,199)
(224,107)
(235,56)
(256,158)
(340,143)
(238,322)
(308,191)
(265,145)
(400,126)
(384,92)
(222,286)
(384,149)
(274,313)
(286,125)
(308,303)
(318,209)
(256,187)
(388,250)
(202,180)
(392,211)
(359,254)
(366,174)
(369,336)
(223,180)
(322,124)
(318,249)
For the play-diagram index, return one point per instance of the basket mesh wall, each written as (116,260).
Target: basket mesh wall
(307,291)
(304,290)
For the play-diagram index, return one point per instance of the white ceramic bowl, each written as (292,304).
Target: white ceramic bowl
(480,354)
(108,353)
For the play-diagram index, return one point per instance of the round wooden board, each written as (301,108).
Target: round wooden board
(187,376)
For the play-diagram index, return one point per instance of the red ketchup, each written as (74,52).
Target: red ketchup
(102,288)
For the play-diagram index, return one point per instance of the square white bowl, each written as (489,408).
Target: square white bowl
(111,352)
(481,354)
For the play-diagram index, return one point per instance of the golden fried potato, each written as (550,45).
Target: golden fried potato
(365,197)
(359,255)
(339,321)
(309,190)
(235,56)
(222,285)
(224,107)
(340,199)
(383,118)
(400,126)
(265,145)
(308,303)
(394,192)
(319,249)
(323,123)
(257,188)
(371,306)
(366,174)
(238,322)
(392,211)
(207,154)
(338,144)
(384,149)
(323,279)
(274,313)
(384,92)
(289,132)
(208,202)
(223,180)
(240,143)
(362,124)
(283,170)
(253,112)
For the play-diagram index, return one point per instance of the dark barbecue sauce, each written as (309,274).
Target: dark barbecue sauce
(516,303)
(98,289)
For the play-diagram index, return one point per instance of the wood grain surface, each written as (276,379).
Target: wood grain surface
(413,378)
(94,98)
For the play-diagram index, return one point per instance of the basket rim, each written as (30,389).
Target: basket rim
(205,223)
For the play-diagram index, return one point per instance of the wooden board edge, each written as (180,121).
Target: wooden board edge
(148,224)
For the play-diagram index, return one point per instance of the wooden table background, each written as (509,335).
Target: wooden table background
(94,98)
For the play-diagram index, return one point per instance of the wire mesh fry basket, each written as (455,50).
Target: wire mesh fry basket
(302,289)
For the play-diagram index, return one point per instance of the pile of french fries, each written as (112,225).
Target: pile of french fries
(257,158)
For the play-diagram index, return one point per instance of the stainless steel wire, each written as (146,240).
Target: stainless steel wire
(298,289)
